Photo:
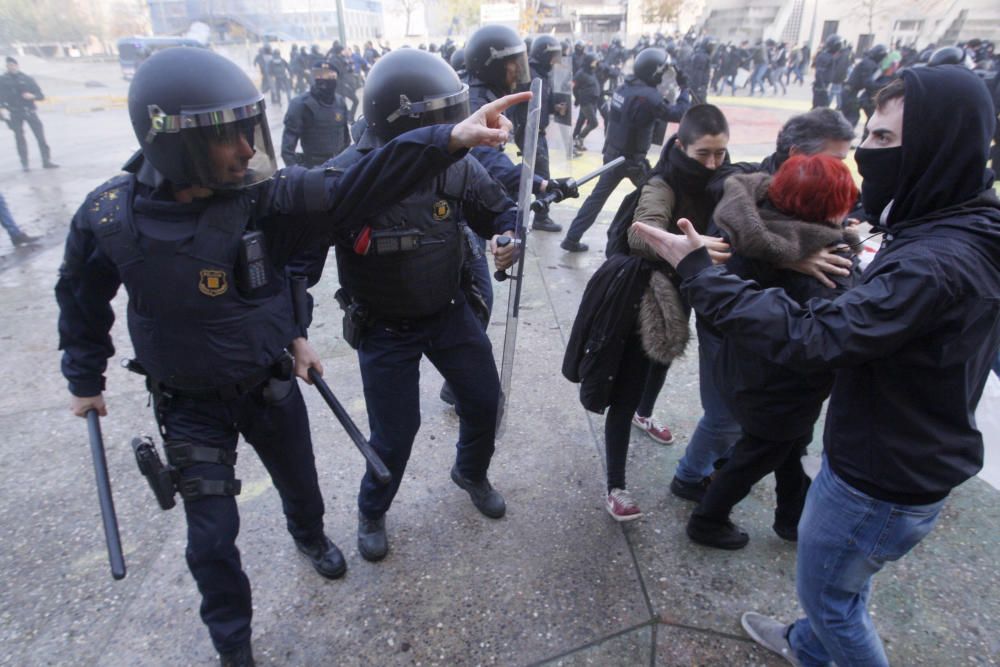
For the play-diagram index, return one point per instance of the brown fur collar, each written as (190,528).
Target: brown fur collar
(768,235)
(663,326)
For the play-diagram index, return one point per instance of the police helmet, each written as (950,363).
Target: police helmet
(488,52)
(458,60)
(181,121)
(408,89)
(578,46)
(650,65)
(833,43)
(544,47)
(589,60)
(878,52)
(947,55)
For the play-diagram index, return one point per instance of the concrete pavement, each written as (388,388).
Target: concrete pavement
(555,582)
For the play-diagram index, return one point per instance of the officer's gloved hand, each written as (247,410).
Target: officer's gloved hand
(563,187)
(682,79)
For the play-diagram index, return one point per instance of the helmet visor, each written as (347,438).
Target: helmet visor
(224,149)
(514,61)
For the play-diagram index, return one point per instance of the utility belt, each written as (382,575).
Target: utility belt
(359,320)
(281,369)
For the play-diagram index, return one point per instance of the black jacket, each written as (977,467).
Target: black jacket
(11,88)
(605,320)
(913,343)
(586,89)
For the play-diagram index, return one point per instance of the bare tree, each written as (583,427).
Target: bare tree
(409,6)
(661,11)
(870,9)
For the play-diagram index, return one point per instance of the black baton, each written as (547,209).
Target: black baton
(111,536)
(381,473)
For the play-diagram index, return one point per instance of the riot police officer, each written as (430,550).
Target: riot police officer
(457,61)
(317,119)
(635,107)
(191,231)
(545,52)
(497,64)
(405,295)
(18,94)
(859,89)
(826,61)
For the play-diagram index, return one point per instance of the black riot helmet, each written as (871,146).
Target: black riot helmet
(878,52)
(409,88)
(947,55)
(544,47)
(200,120)
(491,51)
(458,60)
(833,43)
(650,65)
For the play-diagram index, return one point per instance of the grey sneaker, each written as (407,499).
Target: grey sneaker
(769,633)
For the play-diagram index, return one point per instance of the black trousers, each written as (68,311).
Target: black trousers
(586,122)
(17,120)
(389,355)
(279,432)
(636,388)
(752,458)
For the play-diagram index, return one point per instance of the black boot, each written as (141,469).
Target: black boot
(694,491)
(546,224)
(238,657)
(787,532)
(372,541)
(573,246)
(711,533)
(324,556)
(486,499)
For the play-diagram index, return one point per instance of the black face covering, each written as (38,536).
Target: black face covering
(325,90)
(879,169)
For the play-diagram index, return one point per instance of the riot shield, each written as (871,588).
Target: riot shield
(523,224)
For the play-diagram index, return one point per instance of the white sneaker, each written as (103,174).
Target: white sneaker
(621,507)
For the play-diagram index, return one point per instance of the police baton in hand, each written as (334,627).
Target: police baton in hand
(108,516)
(541,204)
(381,472)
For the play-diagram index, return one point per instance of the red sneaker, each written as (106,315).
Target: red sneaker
(621,507)
(660,434)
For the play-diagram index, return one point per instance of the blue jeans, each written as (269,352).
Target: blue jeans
(7,220)
(758,78)
(717,430)
(845,537)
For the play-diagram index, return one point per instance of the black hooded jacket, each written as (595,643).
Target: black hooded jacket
(913,343)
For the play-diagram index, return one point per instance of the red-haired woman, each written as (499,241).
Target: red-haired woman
(773,221)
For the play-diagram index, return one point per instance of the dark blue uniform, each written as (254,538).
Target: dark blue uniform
(215,350)
(322,129)
(635,108)
(417,306)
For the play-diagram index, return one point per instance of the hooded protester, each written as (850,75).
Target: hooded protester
(925,317)
(772,222)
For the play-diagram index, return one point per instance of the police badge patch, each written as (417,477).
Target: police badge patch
(212,282)
(441,210)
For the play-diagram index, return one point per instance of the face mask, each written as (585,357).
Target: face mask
(325,90)
(879,169)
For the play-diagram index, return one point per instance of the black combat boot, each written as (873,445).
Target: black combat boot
(372,541)
(241,656)
(324,556)
(718,534)
(486,499)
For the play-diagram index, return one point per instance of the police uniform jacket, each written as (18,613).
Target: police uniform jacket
(192,324)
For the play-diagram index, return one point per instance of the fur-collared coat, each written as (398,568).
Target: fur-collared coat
(754,230)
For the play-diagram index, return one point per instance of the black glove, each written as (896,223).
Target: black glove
(682,80)
(564,188)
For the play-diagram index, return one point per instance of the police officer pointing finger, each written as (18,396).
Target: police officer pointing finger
(192,231)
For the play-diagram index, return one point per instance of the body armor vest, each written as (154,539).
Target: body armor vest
(325,135)
(417,283)
(191,325)
(625,136)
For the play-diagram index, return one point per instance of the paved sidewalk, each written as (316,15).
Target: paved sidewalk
(555,582)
